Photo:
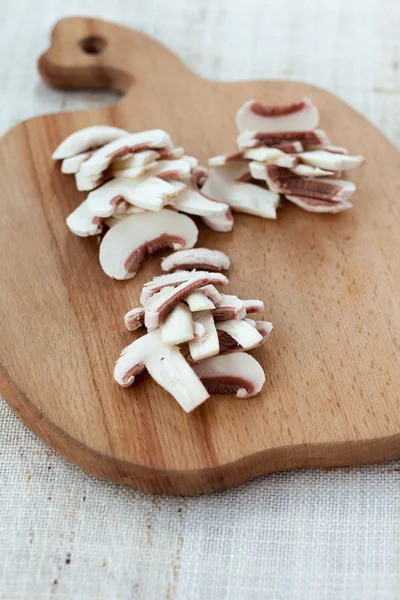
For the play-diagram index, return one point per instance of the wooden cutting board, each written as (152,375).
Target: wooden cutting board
(331,286)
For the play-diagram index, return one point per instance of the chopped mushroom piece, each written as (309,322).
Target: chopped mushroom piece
(161,281)
(229,308)
(241,196)
(149,193)
(229,343)
(308,171)
(82,222)
(162,303)
(131,143)
(253,306)
(330,160)
(211,292)
(126,244)
(198,301)
(134,319)
(221,223)
(194,202)
(244,334)
(229,373)
(200,332)
(196,258)
(171,153)
(86,183)
(209,346)
(70,166)
(139,159)
(251,139)
(166,366)
(316,205)
(290,147)
(87,139)
(298,116)
(132,172)
(178,326)
(285,182)
(171,169)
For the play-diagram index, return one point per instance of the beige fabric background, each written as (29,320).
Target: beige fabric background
(307,535)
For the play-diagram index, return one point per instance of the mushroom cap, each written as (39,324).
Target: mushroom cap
(298,116)
(196,258)
(228,373)
(87,139)
(127,243)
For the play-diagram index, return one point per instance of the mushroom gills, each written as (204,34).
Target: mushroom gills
(298,116)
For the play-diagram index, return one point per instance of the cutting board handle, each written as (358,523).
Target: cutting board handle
(94,54)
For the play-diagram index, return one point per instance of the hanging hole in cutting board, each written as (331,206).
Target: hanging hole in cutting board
(93,44)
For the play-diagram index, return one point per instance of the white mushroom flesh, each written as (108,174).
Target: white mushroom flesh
(243,333)
(316,205)
(70,166)
(196,258)
(230,373)
(331,161)
(177,328)
(82,222)
(139,159)
(251,139)
(171,169)
(230,307)
(134,319)
(211,292)
(199,350)
(298,116)
(198,301)
(87,139)
(127,243)
(253,306)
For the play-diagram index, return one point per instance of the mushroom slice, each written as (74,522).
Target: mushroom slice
(134,319)
(221,223)
(196,258)
(134,142)
(308,171)
(82,222)
(228,343)
(159,305)
(171,153)
(178,326)
(330,160)
(263,327)
(251,139)
(139,159)
(132,172)
(328,148)
(229,308)
(264,154)
(193,200)
(198,301)
(240,196)
(298,116)
(87,139)
(71,165)
(85,183)
(149,193)
(166,366)
(244,334)
(199,350)
(161,281)
(171,169)
(288,183)
(211,292)
(191,160)
(253,306)
(127,243)
(230,373)
(316,205)
(223,159)
(290,147)
(199,331)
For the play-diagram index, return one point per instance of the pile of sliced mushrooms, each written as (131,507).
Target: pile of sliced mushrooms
(140,186)
(197,337)
(281,153)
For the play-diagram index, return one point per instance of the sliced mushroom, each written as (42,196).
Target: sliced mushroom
(196,258)
(209,346)
(171,169)
(198,301)
(134,319)
(86,183)
(87,139)
(161,281)
(229,373)
(229,308)
(191,160)
(308,171)
(327,148)
(253,306)
(139,159)
(240,196)
(221,223)
(178,326)
(246,336)
(126,244)
(316,205)
(71,165)
(199,331)
(166,366)
(194,202)
(134,142)
(160,304)
(290,147)
(132,172)
(171,153)
(149,193)
(330,160)
(82,222)
(211,292)
(285,182)
(223,159)
(298,116)
(251,139)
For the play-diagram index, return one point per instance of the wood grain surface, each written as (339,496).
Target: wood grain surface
(330,285)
